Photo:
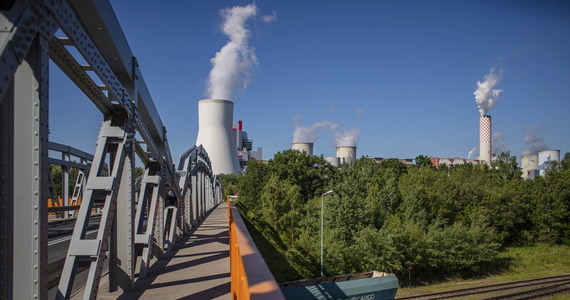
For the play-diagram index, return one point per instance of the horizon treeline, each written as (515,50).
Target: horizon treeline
(414,221)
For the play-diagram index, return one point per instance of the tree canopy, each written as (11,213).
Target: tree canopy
(388,217)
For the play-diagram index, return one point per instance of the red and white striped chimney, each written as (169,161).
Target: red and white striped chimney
(485,139)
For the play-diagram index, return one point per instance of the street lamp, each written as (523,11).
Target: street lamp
(323,226)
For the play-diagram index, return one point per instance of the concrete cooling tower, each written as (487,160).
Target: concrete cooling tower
(529,164)
(215,119)
(303,147)
(334,161)
(485,139)
(544,157)
(346,154)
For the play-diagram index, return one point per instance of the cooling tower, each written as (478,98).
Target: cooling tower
(544,157)
(306,147)
(346,154)
(215,119)
(334,161)
(529,164)
(485,139)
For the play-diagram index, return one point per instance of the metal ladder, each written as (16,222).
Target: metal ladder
(147,206)
(101,186)
(77,190)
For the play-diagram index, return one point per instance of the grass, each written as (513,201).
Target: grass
(540,260)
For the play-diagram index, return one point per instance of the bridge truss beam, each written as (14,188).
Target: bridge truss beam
(179,199)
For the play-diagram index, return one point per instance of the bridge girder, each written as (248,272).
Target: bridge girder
(27,40)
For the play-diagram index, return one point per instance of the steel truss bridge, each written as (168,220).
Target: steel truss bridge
(171,200)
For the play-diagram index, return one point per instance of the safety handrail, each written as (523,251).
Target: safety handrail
(250,276)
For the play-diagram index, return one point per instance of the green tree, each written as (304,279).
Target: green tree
(251,185)
(310,173)
(565,162)
(506,166)
(423,161)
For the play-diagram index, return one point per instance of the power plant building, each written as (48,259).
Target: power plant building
(440,161)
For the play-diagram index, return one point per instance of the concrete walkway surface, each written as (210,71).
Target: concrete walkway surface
(198,268)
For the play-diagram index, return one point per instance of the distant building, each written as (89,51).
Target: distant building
(439,161)
(406,161)
(244,146)
(258,154)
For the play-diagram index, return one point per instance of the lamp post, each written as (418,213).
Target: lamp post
(323,227)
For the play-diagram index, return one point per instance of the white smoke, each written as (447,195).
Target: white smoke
(471,152)
(534,142)
(269,18)
(346,138)
(231,66)
(485,96)
(498,142)
(312,133)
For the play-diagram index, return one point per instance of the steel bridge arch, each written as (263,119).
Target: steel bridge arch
(27,43)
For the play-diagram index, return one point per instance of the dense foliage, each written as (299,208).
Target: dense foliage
(434,223)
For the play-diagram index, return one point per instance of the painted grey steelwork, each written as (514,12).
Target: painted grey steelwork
(171,201)
(23,160)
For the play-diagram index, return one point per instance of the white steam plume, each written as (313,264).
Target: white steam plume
(346,138)
(471,152)
(534,142)
(485,96)
(498,142)
(312,133)
(231,66)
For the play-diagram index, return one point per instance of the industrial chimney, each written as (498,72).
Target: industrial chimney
(215,119)
(485,139)
(303,147)
(346,154)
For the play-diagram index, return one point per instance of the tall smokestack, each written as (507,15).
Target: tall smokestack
(215,119)
(485,139)
(346,154)
(303,147)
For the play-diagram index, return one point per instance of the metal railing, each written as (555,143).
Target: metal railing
(250,276)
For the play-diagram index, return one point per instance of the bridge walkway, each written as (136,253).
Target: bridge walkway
(198,268)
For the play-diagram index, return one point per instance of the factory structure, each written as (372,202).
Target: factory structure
(536,164)
(344,154)
(227,145)
(244,146)
(230,148)
(303,147)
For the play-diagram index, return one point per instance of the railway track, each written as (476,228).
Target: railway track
(534,288)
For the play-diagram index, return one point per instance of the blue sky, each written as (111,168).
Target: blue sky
(403,72)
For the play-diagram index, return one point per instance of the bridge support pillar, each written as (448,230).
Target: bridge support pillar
(122,259)
(195,207)
(23,178)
